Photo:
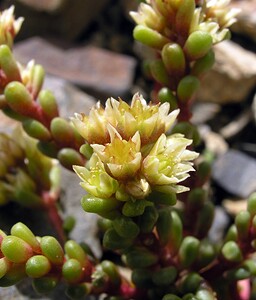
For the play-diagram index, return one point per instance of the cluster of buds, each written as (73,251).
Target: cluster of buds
(182,34)
(22,98)
(26,175)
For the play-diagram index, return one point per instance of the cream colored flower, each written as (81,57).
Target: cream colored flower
(9,27)
(95,180)
(93,127)
(122,158)
(169,162)
(150,120)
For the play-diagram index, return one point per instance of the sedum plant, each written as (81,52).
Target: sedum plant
(134,161)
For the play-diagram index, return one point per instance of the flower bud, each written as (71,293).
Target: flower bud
(239,273)
(74,250)
(125,227)
(167,198)
(69,157)
(250,265)
(197,45)
(187,88)
(140,258)
(5,266)
(48,104)
(203,64)
(22,231)
(36,130)
(111,270)
(148,219)
(8,64)
(243,222)
(72,270)
(174,59)
(36,80)
(159,72)
(206,254)
(142,278)
(86,150)
(251,204)
(166,95)
(188,251)
(62,131)
(231,252)
(204,220)
(113,241)
(45,284)
(15,249)
(135,208)
(19,99)
(165,276)
(184,17)
(38,266)
(68,224)
(191,283)
(52,249)
(149,37)
(98,205)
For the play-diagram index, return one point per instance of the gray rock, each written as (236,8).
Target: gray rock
(97,70)
(233,75)
(246,19)
(236,173)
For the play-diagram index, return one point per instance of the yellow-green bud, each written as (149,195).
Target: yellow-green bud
(197,45)
(188,251)
(19,99)
(36,130)
(76,291)
(111,270)
(191,283)
(184,17)
(251,204)
(140,258)
(231,252)
(149,37)
(174,59)
(52,249)
(159,72)
(22,231)
(48,148)
(204,219)
(5,266)
(62,131)
(203,64)
(16,249)
(37,80)
(113,241)
(69,157)
(135,208)
(148,219)
(142,278)
(74,250)
(165,276)
(166,95)
(125,227)
(242,222)
(171,297)
(72,270)
(98,205)
(38,266)
(187,88)
(13,275)
(8,64)
(48,104)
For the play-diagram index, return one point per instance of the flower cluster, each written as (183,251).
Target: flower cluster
(132,153)
(9,27)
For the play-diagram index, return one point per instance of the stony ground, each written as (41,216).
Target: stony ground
(89,54)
